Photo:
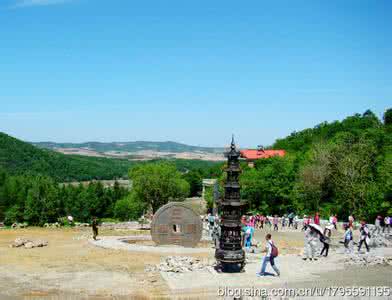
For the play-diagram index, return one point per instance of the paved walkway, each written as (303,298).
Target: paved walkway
(119,243)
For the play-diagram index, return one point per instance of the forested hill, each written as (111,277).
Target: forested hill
(355,125)
(130,146)
(19,157)
(343,168)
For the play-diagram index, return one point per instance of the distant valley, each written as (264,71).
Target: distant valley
(138,150)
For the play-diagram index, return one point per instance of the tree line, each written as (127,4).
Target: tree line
(38,199)
(338,168)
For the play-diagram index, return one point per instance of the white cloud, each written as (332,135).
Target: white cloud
(29,3)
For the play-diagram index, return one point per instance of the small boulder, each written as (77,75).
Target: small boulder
(19,242)
(40,243)
(29,245)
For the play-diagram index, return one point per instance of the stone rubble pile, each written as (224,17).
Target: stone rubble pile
(178,264)
(125,225)
(81,224)
(28,244)
(366,260)
(52,225)
(381,240)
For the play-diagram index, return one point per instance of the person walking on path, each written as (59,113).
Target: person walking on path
(211,223)
(364,236)
(296,220)
(283,221)
(94,225)
(351,221)
(275,221)
(291,219)
(249,230)
(307,221)
(347,238)
(262,222)
(335,222)
(388,224)
(377,224)
(326,239)
(311,237)
(268,221)
(271,253)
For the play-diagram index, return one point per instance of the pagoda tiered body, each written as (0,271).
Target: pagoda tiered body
(230,252)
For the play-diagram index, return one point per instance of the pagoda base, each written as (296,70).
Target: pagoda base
(229,260)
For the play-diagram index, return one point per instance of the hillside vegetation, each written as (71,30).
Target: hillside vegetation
(18,157)
(343,167)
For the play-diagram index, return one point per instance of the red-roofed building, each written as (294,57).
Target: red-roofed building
(253,154)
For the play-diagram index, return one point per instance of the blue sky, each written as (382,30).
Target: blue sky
(189,71)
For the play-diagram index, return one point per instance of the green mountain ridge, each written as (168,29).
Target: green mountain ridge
(18,157)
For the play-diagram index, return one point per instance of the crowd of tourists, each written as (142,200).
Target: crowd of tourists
(317,236)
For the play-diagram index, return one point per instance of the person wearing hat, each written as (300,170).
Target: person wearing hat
(326,239)
(364,236)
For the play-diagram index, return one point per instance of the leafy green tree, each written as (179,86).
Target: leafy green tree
(13,215)
(312,185)
(388,117)
(158,183)
(195,179)
(42,202)
(269,185)
(129,208)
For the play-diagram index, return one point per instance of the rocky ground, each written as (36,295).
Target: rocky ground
(70,266)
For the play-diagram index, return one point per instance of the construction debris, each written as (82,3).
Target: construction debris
(178,264)
(28,244)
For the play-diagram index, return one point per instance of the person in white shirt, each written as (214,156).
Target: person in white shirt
(271,253)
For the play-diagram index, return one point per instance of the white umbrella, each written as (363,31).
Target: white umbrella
(317,228)
(329,226)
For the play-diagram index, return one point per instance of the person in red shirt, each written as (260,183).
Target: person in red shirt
(317,219)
